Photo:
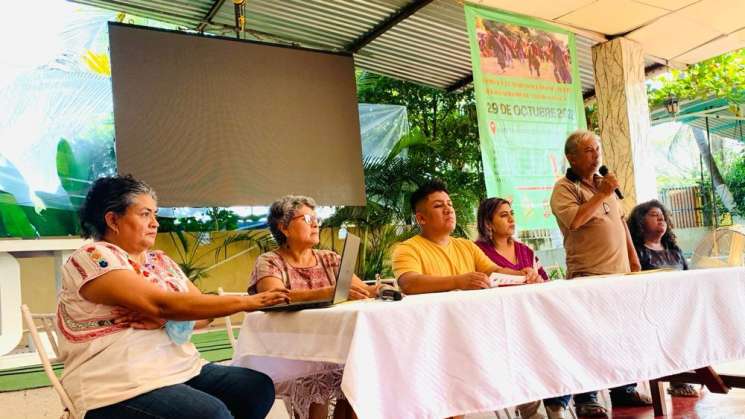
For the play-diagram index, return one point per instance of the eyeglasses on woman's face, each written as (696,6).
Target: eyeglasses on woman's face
(309,219)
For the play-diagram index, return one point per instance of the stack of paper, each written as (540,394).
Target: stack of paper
(501,280)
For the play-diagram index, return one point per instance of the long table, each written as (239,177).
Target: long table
(437,355)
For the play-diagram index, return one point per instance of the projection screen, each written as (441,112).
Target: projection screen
(210,121)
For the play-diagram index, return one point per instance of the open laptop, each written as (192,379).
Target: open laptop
(343,280)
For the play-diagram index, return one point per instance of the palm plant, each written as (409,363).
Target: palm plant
(443,143)
(387,218)
(196,257)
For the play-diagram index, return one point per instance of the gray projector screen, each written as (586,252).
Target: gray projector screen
(212,121)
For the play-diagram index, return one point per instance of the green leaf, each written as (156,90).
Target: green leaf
(15,223)
(73,175)
(413,138)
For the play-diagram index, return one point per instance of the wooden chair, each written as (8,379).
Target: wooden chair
(46,322)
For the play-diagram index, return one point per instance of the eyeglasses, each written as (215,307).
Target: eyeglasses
(308,218)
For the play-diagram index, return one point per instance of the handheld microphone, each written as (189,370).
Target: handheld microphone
(604,171)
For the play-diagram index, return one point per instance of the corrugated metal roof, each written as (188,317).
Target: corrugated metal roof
(187,13)
(429,47)
(328,24)
(432,46)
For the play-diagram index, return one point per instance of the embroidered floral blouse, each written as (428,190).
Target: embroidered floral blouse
(106,363)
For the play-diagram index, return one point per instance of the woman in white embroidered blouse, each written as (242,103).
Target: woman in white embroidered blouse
(125,314)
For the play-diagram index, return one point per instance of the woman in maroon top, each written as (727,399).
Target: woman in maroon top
(496,225)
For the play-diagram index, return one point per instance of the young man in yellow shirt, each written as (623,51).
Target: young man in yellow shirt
(433,261)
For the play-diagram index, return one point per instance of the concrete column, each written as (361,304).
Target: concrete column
(623,116)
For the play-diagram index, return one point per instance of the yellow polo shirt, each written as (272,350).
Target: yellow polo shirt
(458,257)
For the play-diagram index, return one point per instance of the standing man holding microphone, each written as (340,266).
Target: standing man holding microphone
(596,240)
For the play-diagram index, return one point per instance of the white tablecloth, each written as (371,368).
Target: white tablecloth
(437,355)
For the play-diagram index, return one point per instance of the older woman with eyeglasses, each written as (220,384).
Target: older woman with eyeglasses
(308,274)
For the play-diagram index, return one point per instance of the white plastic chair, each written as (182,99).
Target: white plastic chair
(228,321)
(47,324)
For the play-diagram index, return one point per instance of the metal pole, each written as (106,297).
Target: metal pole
(711,177)
(703,185)
(239,6)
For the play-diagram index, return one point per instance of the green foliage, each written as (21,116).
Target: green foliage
(262,239)
(443,143)
(556,273)
(186,251)
(413,139)
(73,174)
(722,77)
(591,116)
(14,222)
(735,179)
(386,218)
(214,219)
(42,218)
(192,238)
(707,208)
(196,254)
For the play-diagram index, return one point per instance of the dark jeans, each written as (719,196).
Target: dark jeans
(218,392)
(589,397)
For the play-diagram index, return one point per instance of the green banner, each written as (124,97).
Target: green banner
(528,99)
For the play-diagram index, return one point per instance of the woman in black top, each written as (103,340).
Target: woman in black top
(652,233)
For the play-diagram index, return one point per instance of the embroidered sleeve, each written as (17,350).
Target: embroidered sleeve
(78,319)
(173,270)
(92,261)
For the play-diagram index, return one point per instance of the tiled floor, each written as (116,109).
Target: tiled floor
(708,406)
(43,403)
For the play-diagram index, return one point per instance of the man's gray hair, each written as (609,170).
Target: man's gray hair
(572,143)
(283,211)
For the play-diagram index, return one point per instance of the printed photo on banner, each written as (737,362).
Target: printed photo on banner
(519,51)
(528,99)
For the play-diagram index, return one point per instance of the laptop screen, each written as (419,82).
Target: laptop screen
(346,268)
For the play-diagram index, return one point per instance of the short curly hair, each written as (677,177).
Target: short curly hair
(282,212)
(116,194)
